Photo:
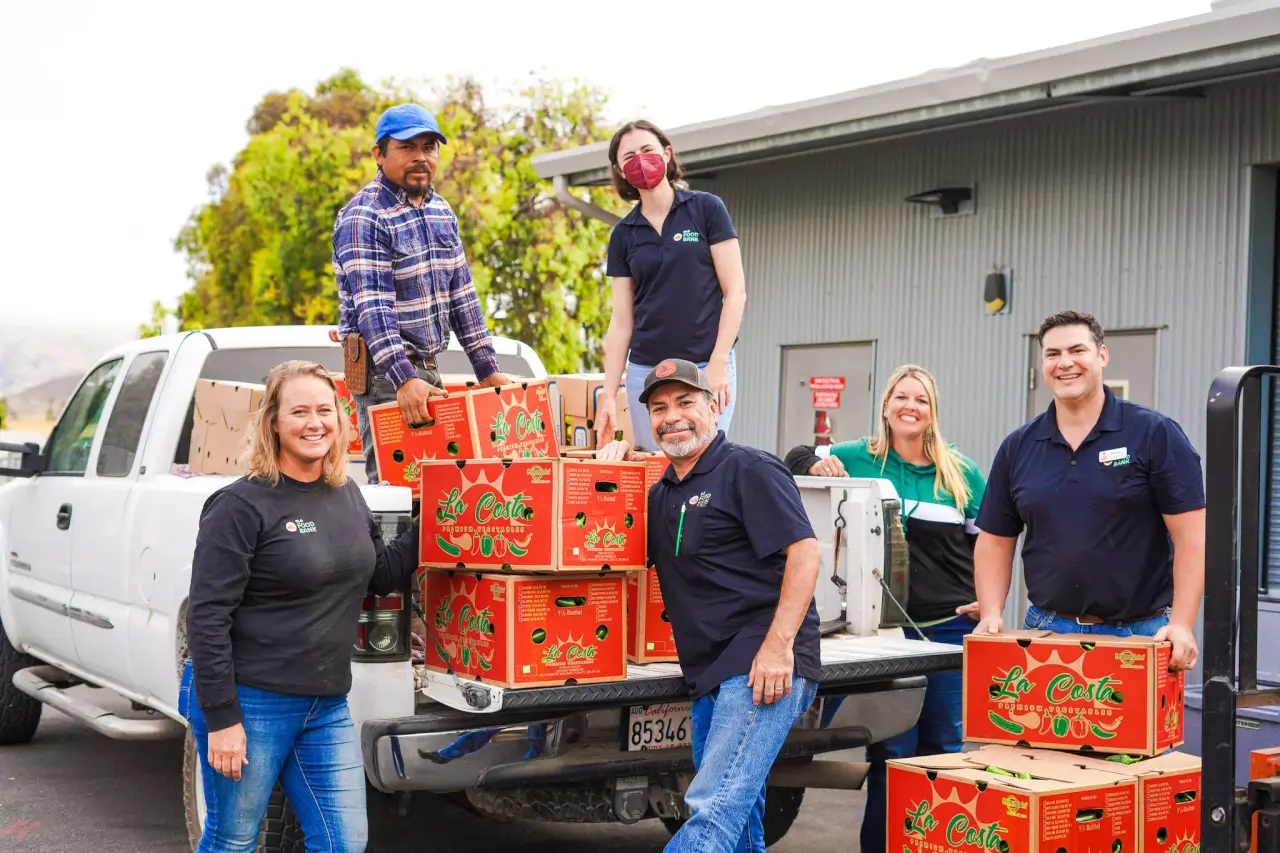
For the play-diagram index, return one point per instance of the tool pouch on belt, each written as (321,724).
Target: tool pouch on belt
(355,363)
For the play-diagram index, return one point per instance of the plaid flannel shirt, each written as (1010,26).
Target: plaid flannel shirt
(404,283)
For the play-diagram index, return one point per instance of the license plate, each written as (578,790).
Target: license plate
(659,726)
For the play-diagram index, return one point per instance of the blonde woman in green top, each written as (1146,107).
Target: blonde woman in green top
(940,490)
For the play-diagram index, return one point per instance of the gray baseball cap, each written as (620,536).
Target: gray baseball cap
(673,370)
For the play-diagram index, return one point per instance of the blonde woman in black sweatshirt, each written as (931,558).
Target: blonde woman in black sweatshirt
(282,561)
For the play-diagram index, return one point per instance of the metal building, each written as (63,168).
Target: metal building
(1131,176)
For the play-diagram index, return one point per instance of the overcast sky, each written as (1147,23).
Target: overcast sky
(115,111)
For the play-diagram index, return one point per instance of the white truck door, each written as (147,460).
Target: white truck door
(40,558)
(104,549)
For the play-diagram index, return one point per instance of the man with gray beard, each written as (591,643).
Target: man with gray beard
(737,562)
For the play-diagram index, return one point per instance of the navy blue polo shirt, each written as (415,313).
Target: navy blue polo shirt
(677,296)
(741,507)
(1096,541)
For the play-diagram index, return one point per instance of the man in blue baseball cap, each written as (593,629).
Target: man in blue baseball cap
(403,279)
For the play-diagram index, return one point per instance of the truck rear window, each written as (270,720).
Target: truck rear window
(253,365)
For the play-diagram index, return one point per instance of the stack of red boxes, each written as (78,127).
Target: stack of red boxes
(527,552)
(1077,732)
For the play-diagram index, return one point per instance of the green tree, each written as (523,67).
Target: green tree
(259,251)
(2,412)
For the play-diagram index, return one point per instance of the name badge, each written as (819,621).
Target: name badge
(1106,456)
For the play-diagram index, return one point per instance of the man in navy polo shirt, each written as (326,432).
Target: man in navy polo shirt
(737,563)
(1111,497)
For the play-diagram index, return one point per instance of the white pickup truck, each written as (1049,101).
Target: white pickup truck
(97,530)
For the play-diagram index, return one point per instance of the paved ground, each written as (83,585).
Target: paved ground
(74,791)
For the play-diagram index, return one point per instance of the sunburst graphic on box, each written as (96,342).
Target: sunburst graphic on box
(565,651)
(605,535)
(920,820)
(518,425)
(1008,686)
(477,516)
(466,630)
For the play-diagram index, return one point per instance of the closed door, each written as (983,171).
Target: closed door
(1130,371)
(44,519)
(826,394)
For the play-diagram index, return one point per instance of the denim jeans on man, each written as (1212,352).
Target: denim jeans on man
(309,745)
(1044,620)
(380,390)
(936,731)
(640,427)
(735,742)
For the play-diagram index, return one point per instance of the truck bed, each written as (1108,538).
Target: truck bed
(847,661)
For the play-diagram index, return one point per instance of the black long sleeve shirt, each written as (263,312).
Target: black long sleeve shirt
(277,580)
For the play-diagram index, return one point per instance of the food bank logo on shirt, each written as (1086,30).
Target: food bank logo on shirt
(701,500)
(300,526)
(686,236)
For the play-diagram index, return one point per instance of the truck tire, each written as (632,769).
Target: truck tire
(19,713)
(279,833)
(781,808)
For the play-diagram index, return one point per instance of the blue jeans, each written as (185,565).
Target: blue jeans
(1044,620)
(307,743)
(936,731)
(735,743)
(640,427)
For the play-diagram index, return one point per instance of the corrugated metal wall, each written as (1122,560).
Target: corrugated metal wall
(1134,212)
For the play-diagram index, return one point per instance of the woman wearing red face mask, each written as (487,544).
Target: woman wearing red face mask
(678,286)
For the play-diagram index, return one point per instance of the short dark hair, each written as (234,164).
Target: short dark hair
(1071,318)
(675,172)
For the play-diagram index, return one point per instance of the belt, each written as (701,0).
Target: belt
(1094,620)
(428,362)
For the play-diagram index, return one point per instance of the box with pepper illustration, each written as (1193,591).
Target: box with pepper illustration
(533,515)
(512,421)
(1168,791)
(347,409)
(1071,691)
(649,635)
(523,631)
(401,449)
(998,801)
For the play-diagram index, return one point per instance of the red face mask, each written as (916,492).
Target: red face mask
(645,171)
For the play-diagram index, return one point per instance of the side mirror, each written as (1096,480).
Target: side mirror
(32,460)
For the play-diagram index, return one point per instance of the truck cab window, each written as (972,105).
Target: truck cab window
(72,438)
(124,427)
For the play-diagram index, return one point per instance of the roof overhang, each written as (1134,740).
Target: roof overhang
(1169,59)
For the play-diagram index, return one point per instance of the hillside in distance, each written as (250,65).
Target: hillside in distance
(41,363)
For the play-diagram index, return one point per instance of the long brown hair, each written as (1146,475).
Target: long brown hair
(948,466)
(675,172)
(264,439)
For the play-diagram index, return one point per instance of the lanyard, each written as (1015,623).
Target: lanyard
(680,529)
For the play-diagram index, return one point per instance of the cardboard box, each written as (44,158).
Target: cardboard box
(220,425)
(656,466)
(1071,691)
(649,635)
(1263,764)
(575,397)
(347,407)
(953,802)
(534,515)
(401,450)
(512,421)
(1168,791)
(517,631)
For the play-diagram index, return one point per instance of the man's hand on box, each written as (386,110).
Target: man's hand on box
(1185,651)
(990,625)
(495,380)
(619,451)
(413,396)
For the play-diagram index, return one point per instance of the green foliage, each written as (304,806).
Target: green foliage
(2,412)
(259,251)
